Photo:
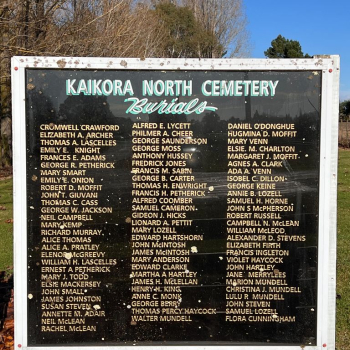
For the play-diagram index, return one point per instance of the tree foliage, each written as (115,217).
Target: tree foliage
(184,36)
(285,48)
(106,28)
(222,23)
(114,28)
(226,21)
(344,110)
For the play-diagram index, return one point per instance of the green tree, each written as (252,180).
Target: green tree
(285,48)
(185,37)
(344,110)
(226,20)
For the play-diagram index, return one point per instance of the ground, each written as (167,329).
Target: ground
(5,173)
(6,292)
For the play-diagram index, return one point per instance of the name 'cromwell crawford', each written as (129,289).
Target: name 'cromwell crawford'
(84,127)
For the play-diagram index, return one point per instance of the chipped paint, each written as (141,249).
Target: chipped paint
(68,255)
(312,64)
(194,249)
(189,64)
(61,63)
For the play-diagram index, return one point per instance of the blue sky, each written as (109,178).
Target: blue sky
(321,27)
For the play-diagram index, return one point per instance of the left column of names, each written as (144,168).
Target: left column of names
(73,210)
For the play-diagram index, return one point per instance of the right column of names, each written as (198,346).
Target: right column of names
(259,216)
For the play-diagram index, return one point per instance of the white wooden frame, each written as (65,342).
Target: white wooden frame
(327,65)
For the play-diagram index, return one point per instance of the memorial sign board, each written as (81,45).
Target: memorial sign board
(186,203)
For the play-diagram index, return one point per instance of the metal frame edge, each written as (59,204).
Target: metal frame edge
(328,169)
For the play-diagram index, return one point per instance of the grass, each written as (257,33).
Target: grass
(6,228)
(343,256)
